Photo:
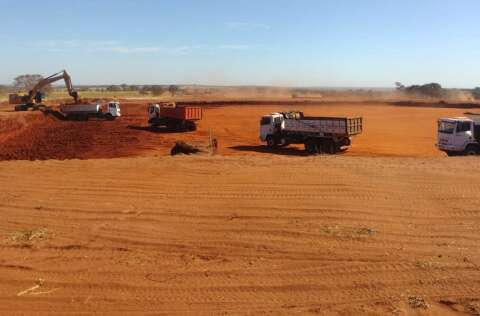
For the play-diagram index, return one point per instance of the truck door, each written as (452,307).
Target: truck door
(277,125)
(266,127)
(463,134)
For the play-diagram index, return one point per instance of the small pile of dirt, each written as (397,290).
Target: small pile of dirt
(182,147)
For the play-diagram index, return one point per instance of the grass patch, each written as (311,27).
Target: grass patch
(474,308)
(348,232)
(426,264)
(26,236)
(417,302)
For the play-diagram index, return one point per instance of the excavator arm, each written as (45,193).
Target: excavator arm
(28,99)
(55,77)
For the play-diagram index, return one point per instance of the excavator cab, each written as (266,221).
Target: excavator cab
(14,98)
(38,97)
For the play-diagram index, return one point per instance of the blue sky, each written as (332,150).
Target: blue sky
(342,43)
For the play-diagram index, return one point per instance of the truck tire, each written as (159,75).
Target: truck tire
(191,126)
(472,150)
(312,147)
(271,142)
(109,117)
(330,147)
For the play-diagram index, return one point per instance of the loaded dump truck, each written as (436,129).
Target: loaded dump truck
(86,111)
(318,134)
(173,117)
(459,135)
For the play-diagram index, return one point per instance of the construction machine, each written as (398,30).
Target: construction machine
(34,97)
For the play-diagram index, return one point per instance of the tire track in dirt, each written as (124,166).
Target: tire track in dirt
(211,242)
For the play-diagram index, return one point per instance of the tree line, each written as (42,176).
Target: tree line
(155,90)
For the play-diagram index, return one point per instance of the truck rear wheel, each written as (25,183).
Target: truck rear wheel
(312,147)
(330,147)
(191,126)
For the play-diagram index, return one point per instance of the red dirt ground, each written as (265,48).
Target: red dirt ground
(388,131)
(257,232)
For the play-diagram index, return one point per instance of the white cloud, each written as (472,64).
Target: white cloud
(111,46)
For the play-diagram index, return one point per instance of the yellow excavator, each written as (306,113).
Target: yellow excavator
(34,97)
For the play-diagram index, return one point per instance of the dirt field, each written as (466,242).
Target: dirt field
(388,227)
(388,131)
(241,235)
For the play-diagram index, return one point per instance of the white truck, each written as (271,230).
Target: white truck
(318,134)
(459,135)
(86,111)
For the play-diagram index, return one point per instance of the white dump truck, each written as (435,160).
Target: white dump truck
(459,135)
(110,111)
(318,134)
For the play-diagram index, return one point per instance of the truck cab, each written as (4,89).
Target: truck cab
(153,111)
(270,125)
(113,108)
(459,135)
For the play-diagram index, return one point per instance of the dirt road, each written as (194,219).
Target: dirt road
(241,235)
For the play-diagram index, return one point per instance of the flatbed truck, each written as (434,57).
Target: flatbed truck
(318,134)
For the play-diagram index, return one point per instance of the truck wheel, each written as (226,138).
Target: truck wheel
(330,147)
(183,126)
(271,142)
(109,117)
(192,126)
(472,151)
(322,147)
(311,147)
(284,143)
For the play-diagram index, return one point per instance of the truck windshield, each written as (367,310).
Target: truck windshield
(265,121)
(446,127)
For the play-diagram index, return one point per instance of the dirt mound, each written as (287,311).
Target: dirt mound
(182,147)
(32,136)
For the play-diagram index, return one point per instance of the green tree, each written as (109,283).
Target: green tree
(113,88)
(173,89)
(157,90)
(28,81)
(476,93)
(433,90)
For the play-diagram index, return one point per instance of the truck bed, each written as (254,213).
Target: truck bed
(189,113)
(80,108)
(325,125)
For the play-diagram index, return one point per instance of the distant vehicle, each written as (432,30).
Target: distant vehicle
(86,111)
(173,117)
(459,135)
(318,134)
